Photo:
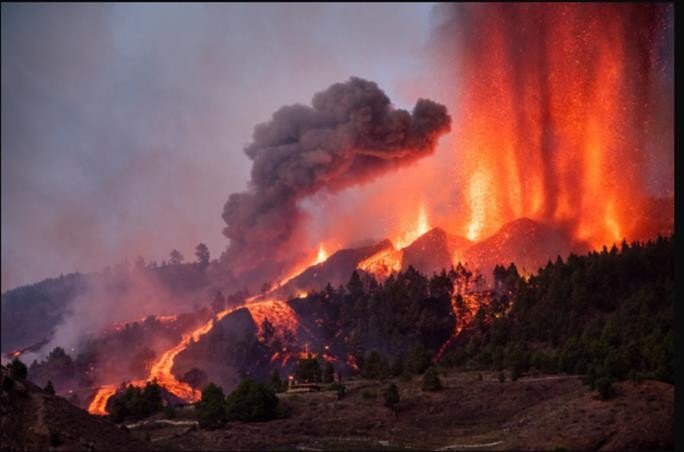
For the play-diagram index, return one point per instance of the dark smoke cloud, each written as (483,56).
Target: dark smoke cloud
(349,135)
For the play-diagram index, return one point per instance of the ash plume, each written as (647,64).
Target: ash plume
(350,134)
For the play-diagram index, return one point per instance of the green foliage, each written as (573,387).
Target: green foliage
(136,402)
(308,370)
(211,410)
(431,380)
(252,401)
(606,314)
(17,369)
(49,388)
(391,396)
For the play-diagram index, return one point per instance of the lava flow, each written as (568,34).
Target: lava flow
(279,314)
(99,404)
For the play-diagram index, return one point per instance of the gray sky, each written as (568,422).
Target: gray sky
(123,125)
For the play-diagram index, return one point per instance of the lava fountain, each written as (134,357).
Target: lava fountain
(565,114)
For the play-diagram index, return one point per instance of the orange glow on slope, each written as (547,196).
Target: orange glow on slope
(279,314)
(322,255)
(383,263)
(389,260)
(556,102)
(99,403)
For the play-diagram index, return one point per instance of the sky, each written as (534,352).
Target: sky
(123,125)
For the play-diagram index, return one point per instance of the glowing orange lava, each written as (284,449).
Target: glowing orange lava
(383,263)
(99,403)
(558,115)
(279,314)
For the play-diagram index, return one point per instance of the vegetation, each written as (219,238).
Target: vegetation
(340,389)
(135,402)
(18,370)
(431,380)
(391,397)
(252,401)
(308,370)
(211,410)
(49,388)
(606,315)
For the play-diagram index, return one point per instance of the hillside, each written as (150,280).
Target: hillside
(35,420)
(541,413)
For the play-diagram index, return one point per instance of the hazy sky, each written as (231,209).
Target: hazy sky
(123,125)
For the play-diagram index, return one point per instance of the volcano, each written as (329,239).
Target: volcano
(528,243)
(434,251)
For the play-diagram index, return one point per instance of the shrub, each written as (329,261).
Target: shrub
(418,359)
(18,370)
(211,412)
(340,389)
(368,394)
(431,380)
(391,396)
(49,388)
(7,383)
(169,412)
(55,438)
(252,401)
(604,385)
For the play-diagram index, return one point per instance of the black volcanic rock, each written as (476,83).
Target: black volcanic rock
(528,243)
(433,251)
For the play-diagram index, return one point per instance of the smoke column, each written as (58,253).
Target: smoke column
(350,134)
(565,114)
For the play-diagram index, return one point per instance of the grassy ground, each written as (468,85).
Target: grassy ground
(468,414)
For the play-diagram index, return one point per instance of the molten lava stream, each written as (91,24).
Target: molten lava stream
(99,404)
(161,370)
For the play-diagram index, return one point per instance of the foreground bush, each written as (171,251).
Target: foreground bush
(211,412)
(252,401)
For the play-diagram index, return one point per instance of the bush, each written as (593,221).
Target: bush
(211,411)
(368,394)
(49,388)
(328,373)
(418,359)
(340,389)
(55,438)
(7,383)
(18,370)
(136,402)
(391,396)
(169,412)
(308,370)
(252,401)
(431,380)
(604,385)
